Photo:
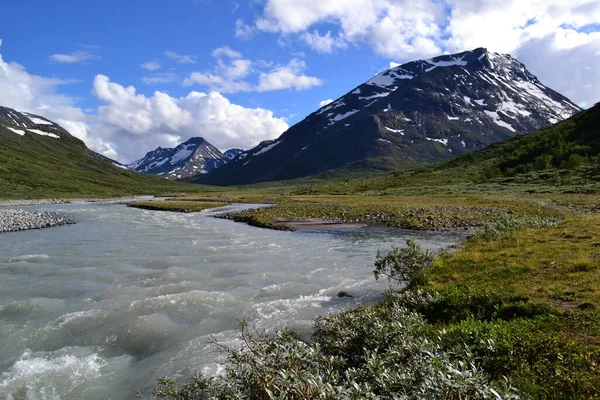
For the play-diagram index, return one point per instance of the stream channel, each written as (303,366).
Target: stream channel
(102,308)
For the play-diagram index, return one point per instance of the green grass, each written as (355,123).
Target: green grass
(34,166)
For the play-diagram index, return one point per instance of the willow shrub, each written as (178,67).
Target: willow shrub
(377,352)
(403,265)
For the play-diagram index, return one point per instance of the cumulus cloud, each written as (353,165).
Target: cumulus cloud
(74,57)
(181,58)
(129,124)
(410,29)
(323,103)
(164,120)
(287,76)
(243,31)
(226,51)
(323,43)
(231,73)
(151,65)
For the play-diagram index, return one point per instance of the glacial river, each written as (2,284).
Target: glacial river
(101,309)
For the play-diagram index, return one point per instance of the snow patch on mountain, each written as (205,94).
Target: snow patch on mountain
(443,63)
(267,148)
(340,117)
(400,131)
(17,131)
(442,141)
(42,133)
(181,155)
(375,96)
(39,121)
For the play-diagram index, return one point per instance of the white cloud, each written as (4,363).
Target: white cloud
(74,57)
(225,51)
(129,124)
(411,29)
(150,65)
(232,70)
(181,58)
(164,120)
(244,31)
(160,77)
(288,76)
(323,103)
(323,44)
(573,71)
(217,83)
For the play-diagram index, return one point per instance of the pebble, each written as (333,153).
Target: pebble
(12,220)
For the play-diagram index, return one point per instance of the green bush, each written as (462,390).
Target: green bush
(403,265)
(377,352)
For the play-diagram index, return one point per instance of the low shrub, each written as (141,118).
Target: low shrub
(404,265)
(508,223)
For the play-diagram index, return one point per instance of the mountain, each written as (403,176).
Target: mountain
(232,153)
(420,112)
(39,158)
(196,156)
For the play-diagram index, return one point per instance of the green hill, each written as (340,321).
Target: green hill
(566,145)
(44,160)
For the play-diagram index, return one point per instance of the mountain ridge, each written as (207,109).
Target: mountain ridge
(418,112)
(192,157)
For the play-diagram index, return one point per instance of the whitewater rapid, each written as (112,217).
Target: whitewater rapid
(101,309)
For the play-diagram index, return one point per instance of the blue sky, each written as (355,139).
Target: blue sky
(128,76)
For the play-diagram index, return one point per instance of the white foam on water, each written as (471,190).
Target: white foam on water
(145,291)
(33,258)
(53,376)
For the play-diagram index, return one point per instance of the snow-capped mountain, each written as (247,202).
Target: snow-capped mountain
(22,123)
(421,111)
(196,156)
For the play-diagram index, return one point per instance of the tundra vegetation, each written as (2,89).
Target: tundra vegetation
(511,313)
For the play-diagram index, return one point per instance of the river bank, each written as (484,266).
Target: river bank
(12,220)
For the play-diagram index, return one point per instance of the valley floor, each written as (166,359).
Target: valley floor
(513,311)
(520,296)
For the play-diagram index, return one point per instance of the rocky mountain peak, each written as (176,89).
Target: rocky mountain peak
(418,112)
(192,157)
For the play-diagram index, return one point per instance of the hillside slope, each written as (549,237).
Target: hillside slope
(565,145)
(38,158)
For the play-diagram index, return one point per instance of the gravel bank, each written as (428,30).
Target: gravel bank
(19,203)
(12,220)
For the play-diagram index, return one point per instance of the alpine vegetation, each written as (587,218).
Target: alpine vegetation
(386,351)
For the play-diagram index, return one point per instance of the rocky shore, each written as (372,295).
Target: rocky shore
(12,220)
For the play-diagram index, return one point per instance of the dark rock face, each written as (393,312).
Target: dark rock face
(422,111)
(232,153)
(196,156)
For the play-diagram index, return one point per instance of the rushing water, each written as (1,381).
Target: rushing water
(100,309)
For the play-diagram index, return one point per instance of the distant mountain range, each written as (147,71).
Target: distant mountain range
(193,157)
(39,158)
(420,112)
